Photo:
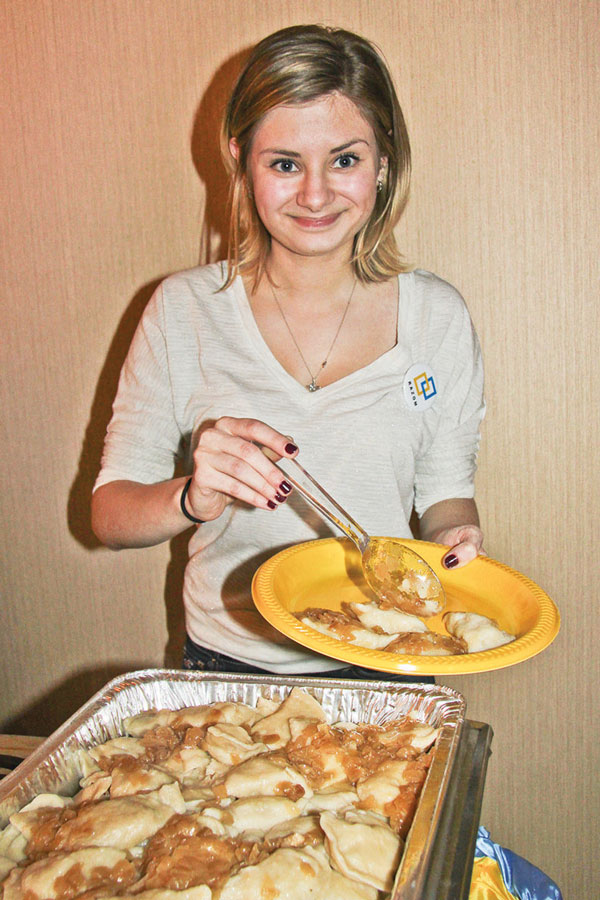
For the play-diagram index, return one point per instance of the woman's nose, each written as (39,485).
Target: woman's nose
(315,191)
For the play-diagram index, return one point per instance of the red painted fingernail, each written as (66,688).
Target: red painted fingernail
(285,487)
(271,505)
(450,561)
(279,498)
(290,448)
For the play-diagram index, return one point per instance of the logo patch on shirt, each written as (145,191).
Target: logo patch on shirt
(420,387)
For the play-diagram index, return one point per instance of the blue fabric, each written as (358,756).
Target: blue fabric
(521,878)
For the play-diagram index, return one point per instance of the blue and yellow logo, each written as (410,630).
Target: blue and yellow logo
(419,386)
(425,385)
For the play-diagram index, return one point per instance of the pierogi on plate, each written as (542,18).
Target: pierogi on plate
(224,802)
(478,632)
(378,626)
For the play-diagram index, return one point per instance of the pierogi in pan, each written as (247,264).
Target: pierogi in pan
(226,802)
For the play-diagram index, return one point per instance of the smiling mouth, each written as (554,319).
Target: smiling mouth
(316,222)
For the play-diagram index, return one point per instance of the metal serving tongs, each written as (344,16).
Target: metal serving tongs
(397,575)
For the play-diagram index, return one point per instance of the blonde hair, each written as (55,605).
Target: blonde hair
(301,64)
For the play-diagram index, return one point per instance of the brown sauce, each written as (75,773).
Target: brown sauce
(270,738)
(131,771)
(341,624)
(360,751)
(75,881)
(48,822)
(159,743)
(289,789)
(297,839)
(212,715)
(195,859)
(418,643)
(194,736)
(402,808)
(184,854)
(77,831)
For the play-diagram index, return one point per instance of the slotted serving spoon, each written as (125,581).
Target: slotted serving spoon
(397,575)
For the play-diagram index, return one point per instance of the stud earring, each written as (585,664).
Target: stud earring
(379,186)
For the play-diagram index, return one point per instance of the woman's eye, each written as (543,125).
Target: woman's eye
(346,161)
(284,165)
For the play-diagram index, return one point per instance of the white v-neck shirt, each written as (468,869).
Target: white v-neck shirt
(401,431)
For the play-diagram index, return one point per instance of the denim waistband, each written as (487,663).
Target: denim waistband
(199,658)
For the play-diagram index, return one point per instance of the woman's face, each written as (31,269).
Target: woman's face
(314,170)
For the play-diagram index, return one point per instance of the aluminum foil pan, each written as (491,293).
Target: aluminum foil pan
(54,766)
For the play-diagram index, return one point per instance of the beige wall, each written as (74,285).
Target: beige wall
(109,147)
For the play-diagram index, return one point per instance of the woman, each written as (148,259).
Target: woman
(313,328)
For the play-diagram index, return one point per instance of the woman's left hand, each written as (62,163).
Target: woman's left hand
(465,542)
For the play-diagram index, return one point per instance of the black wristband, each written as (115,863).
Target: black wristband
(188,515)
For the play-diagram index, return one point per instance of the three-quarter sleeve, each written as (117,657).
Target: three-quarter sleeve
(446,463)
(143,438)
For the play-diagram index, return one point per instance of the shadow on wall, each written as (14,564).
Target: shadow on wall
(206,156)
(48,712)
(78,507)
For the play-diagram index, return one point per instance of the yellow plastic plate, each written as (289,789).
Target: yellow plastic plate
(327,572)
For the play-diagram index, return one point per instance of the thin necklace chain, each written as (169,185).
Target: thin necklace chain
(313,386)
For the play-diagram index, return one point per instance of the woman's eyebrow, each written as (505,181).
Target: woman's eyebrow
(349,144)
(280,151)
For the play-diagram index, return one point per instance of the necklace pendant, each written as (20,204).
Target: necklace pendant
(313,386)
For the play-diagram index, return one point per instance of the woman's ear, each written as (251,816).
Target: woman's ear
(383,166)
(234,149)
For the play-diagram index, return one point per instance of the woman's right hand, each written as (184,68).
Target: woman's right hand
(230,465)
